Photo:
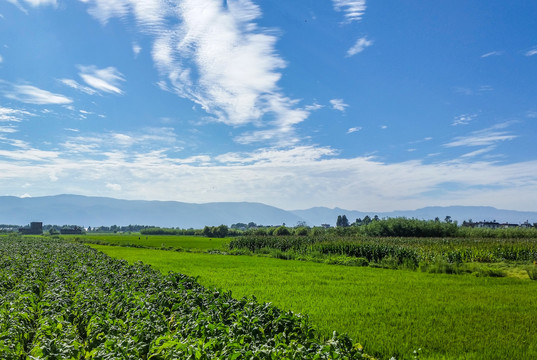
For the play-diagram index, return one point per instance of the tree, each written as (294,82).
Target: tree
(366,220)
(448,219)
(342,221)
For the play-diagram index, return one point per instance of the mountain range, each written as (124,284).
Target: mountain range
(101,211)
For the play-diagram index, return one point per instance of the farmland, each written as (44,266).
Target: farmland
(189,243)
(62,300)
(390,312)
(401,294)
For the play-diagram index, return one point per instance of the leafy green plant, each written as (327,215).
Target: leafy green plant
(62,300)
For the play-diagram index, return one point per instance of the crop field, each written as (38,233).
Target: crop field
(484,256)
(61,300)
(179,242)
(389,312)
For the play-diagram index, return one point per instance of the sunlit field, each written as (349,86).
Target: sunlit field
(390,312)
(159,241)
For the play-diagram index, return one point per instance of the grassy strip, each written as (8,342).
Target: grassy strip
(181,242)
(392,313)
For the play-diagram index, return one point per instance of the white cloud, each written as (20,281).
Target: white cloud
(33,3)
(338,104)
(463,119)
(13,115)
(136,49)
(354,129)
(270,176)
(313,107)
(531,52)
(114,187)
(353,9)
(479,152)
(214,54)
(33,95)
(485,137)
(531,114)
(9,129)
(492,53)
(359,46)
(75,85)
(107,79)
(1,59)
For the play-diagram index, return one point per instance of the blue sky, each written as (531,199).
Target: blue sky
(371,106)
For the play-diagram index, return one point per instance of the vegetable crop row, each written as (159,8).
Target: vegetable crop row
(61,300)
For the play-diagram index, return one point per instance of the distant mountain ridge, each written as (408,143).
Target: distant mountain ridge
(98,211)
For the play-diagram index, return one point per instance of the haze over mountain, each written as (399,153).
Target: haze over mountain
(97,211)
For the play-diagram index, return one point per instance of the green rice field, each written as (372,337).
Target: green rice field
(198,243)
(390,312)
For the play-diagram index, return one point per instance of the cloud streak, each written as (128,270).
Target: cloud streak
(106,80)
(531,52)
(359,46)
(338,104)
(33,95)
(485,137)
(463,119)
(354,9)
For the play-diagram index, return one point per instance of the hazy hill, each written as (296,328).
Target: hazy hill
(97,211)
(321,215)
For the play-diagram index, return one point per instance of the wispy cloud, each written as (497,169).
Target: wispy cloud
(492,53)
(1,59)
(463,119)
(359,46)
(354,9)
(313,107)
(531,52)
(32,95)
(354,129)
(485,137)
(8,129)
(13,115)
(106,80)
(214,54)
(531,114)
(479,152)
(35,3)
(338,104)
(136,49)
(75,85)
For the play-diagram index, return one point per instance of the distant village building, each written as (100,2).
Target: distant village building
(495,225)
(36,228)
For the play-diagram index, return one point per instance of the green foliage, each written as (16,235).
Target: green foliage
(215,231)
(398,252)
(175,242)
(281,231)
(342,221)
(63,300)
(301,231)
(392,313)
(403,227)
